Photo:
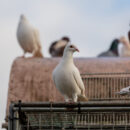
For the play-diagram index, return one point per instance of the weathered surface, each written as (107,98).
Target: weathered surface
(31,78)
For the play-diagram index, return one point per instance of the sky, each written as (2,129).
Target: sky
(90,24)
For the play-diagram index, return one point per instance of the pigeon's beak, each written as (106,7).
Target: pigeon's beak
(76,49)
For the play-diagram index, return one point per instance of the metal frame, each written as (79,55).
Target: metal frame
(111,112)
(90,115)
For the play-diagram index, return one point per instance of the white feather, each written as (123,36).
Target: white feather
(28,36)
(67,78)
(124,91)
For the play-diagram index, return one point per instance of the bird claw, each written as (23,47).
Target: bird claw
(69,101)
(69,108)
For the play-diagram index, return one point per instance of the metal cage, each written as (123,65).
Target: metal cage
(105,109)
(103,86)
(56,116)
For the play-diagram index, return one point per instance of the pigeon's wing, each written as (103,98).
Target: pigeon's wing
(37,38)
(78,80)
(107,54)
(102,54)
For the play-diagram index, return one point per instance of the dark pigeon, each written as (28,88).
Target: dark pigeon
(113,50)
(58,51)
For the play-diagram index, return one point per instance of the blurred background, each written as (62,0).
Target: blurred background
(90,24)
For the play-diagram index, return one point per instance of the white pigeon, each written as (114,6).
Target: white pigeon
(67,78)
(125,50)
(124,91)
(28,37)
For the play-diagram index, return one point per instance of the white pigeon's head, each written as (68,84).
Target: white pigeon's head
(71,48)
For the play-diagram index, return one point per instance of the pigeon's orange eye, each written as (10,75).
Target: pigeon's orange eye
(71,46)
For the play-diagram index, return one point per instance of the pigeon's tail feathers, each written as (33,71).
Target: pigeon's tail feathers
(38,54)
(117,92)
(82,98)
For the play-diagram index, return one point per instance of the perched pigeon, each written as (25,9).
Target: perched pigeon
(124,91)
(67,78)
(129,36)
(113,50)
(57,48)
(125,50)
(28,38)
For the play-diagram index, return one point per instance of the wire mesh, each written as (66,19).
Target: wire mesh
(105,109)
(88,120)
(103,86)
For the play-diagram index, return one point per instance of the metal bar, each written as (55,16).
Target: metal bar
(82,104)
(119,73)
(11,117)
(27,122)
(86,109)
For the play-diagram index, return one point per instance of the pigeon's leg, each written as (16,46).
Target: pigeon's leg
(68,101)
(74,97)
(66,98)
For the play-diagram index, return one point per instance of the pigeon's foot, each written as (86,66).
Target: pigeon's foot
(70,103)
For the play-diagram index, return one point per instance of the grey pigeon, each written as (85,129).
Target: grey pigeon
(113,50)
